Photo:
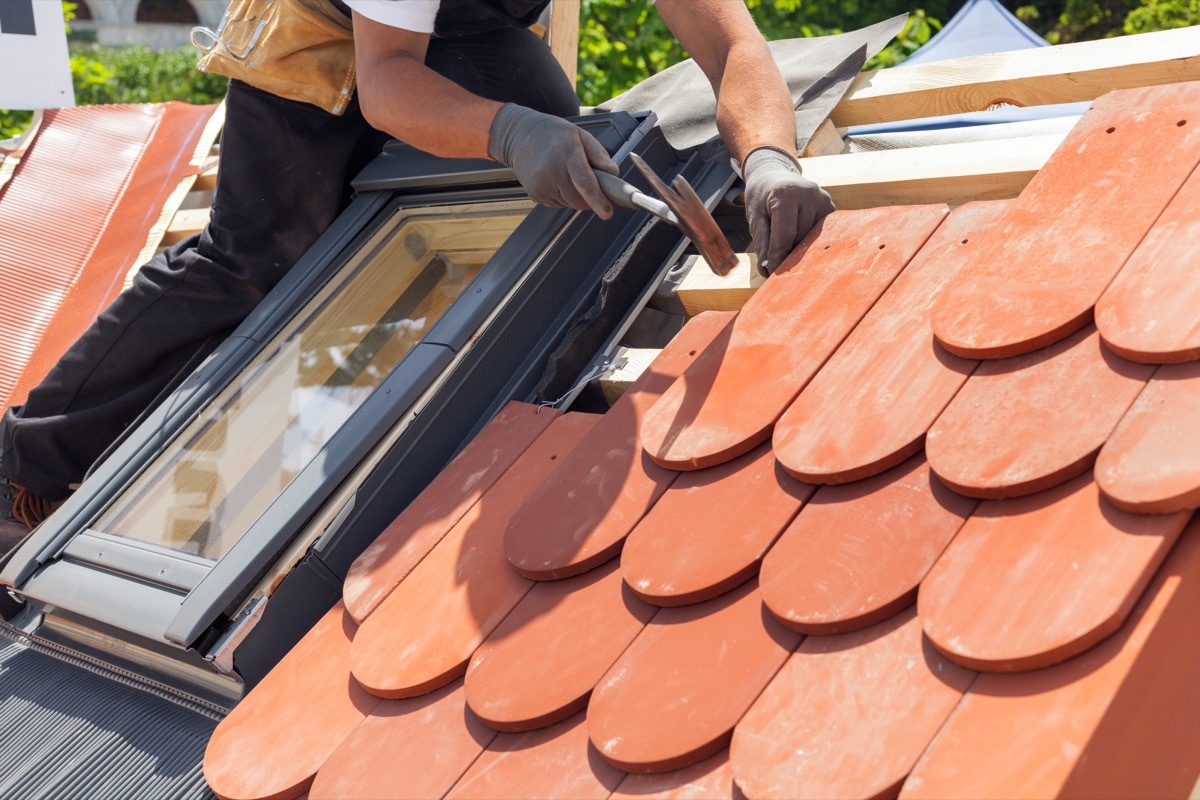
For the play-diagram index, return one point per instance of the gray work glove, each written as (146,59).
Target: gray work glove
(553,159)
(781,205)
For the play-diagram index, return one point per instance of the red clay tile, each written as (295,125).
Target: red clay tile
(724,405)
(1033,581)
(539,666)
(1121,720)
(857,552)
(710,779)
(274,741)
(414,748)
(1148,313)
(558,761)
(868,409)
(1151,463)
(580,517)
(709,532)
(1028,423)
(673,698)
(74,219)
(435,511)
(422,635)
(847,716)
(1058,247)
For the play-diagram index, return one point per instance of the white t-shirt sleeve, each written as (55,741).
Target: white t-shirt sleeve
(411,15)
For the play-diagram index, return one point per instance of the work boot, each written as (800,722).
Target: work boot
(20,512)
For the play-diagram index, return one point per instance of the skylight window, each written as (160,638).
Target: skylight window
(205,490)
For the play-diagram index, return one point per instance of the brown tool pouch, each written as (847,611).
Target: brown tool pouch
(297,49)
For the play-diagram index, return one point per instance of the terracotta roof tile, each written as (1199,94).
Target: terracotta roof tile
(1117,721)
(883,689)
(676,693)
(710,779)
(1060,243)
(1148,312)
(869,408)
(721,407)
(423,634)
(539,666)
(557,761)
(826,574)
(1088,682)
(271,746)
(1151,463)
(601,490)
(1032,581)
(417,747)
(711,529)
(1028,423)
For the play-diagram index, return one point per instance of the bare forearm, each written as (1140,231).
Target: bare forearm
(399,95)
(754,108)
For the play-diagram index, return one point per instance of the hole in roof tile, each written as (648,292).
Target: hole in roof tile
(691,352)
(826,247)
(882,246)
(1181,123)
(1110,130)
(964,241)
(553,458)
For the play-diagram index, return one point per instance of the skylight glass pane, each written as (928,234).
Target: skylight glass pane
(209,486)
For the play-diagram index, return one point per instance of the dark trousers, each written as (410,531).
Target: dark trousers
(284,176)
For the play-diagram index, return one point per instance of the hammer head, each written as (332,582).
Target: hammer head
(694,218)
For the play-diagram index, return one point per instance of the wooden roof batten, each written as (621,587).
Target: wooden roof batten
(965,171)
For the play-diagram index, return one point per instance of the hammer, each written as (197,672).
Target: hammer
(680,206)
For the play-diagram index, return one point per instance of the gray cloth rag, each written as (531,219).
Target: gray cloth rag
(818,72)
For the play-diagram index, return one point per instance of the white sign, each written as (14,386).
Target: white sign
(35,70)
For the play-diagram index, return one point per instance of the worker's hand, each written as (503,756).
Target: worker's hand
(553,159)
(781,205)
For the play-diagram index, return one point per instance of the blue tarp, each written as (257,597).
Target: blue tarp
(980,26)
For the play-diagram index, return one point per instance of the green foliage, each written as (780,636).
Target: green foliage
(1158,15)
(619,45)
(140,75)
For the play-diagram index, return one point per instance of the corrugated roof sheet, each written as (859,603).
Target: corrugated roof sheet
(74,219)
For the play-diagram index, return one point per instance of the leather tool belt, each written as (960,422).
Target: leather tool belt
(296,49)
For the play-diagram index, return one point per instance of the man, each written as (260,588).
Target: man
(457,78)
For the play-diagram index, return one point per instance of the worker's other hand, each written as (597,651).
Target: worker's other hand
(781,205)
(553,159)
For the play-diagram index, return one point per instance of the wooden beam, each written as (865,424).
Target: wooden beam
(949,173)
(1039,76)
(637,359)
(564,35)
(186,222)
(701,290)
(826,141)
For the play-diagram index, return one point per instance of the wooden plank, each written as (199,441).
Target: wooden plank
(702,290)
(564,35)
(1064,74)
(187,221)
(637,359)
(825,141)
(951,173)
